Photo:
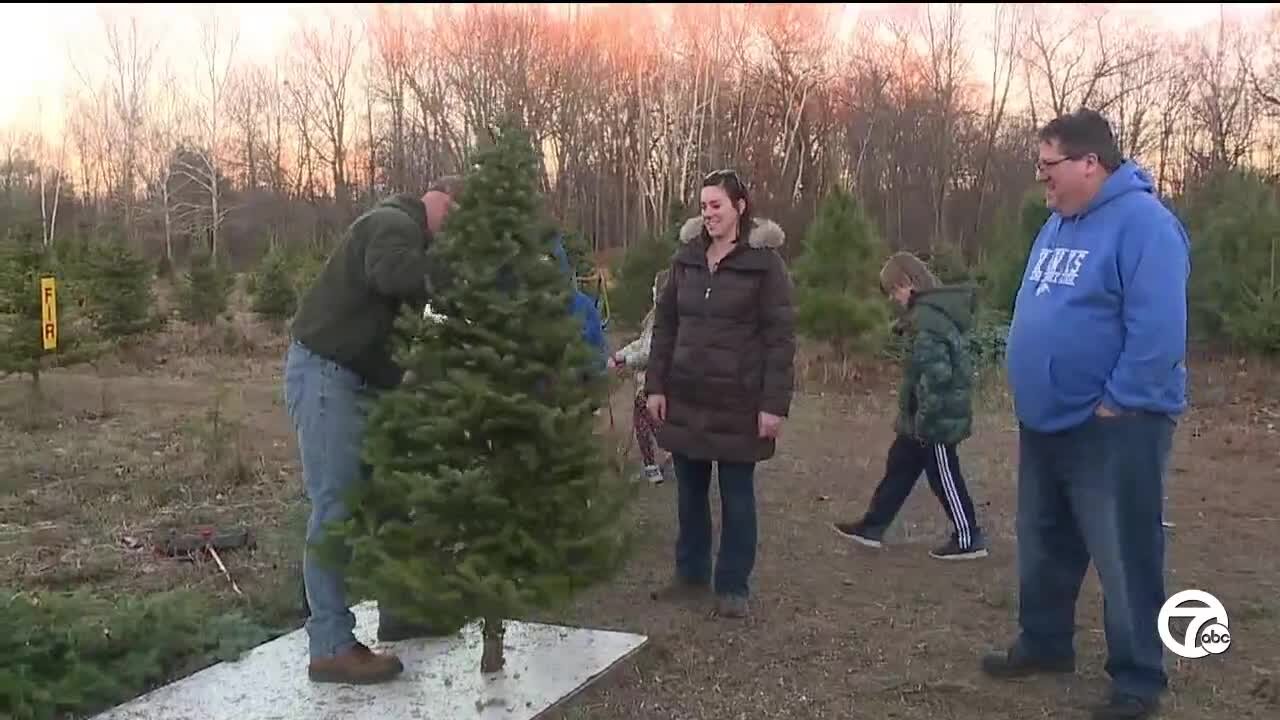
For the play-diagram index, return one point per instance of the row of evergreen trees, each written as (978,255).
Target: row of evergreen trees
(106,295)
(106,289)
(1234,291)
(836,275)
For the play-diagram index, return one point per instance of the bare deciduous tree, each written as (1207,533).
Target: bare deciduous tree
(1221,98)
(129,59)
(930,129)
(201,163)
(325,60)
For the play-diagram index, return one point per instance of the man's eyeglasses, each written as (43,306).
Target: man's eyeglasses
(1046,165)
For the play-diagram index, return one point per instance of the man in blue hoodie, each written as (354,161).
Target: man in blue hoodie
(1096,363)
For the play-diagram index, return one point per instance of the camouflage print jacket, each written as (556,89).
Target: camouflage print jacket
(935,398)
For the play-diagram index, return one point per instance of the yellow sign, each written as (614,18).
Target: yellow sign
(48,313)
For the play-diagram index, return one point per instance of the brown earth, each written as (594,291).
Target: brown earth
(109,458)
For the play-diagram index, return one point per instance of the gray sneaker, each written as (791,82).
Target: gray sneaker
(860,533)
(951,549)
(653,474)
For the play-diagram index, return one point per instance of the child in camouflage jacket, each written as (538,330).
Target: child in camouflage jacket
(935,412)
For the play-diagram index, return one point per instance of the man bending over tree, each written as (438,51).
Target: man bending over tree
(340,357)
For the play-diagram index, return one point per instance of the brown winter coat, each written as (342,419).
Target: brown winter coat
(723,346)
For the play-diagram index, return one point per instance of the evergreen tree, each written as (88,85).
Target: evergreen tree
(205,290)
(948,263)
(307,262)
(117,282)
(837,276)
(1006,261)
(74,654)
(631,299)
(23,261)
(489,493)
(274,296)
(1234,291)
(577,247)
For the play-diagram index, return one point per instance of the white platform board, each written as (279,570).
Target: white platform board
(545,664)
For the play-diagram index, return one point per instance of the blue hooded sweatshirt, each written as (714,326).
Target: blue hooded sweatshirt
(582,306)
(1101,315)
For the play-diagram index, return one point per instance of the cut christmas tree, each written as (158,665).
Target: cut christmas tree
(490,495)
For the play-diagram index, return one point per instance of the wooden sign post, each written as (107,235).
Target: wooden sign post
(49,313)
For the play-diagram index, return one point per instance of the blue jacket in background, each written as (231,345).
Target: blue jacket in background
(583,307)
(1101,315)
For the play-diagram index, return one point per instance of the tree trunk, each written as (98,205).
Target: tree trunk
(492,660)
(168,222)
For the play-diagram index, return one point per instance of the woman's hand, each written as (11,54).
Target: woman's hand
(657,405)
(770,425)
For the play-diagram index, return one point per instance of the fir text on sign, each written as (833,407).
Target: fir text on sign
(48,313)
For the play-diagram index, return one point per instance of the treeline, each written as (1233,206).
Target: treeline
(925,112)
(924,116)
(1234,294)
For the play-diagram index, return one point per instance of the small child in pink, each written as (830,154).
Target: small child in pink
(635,356)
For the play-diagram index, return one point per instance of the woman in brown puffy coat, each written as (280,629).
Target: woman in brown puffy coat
(720,380)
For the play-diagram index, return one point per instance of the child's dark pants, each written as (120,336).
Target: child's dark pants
(908,457)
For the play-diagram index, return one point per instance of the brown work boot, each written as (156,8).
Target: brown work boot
(357,666)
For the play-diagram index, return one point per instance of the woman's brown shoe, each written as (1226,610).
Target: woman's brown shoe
(357,666)
(731,606)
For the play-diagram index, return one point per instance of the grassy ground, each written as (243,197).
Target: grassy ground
(194,433)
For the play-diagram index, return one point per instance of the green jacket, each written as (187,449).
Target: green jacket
(935,398)
(348,314)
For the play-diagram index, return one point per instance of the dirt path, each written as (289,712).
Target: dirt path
(837,630)
(842,631)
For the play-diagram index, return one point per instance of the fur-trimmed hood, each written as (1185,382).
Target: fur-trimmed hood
(764,233)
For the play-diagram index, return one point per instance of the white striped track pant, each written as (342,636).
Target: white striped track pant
(908,457)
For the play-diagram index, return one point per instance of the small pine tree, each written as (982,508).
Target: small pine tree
(490,495)
(74,654)
(631,299)
(23,261)
(577,247)
(205,290)
(1006,259)
(1234,292)
(307,264)
(948,263)
(837,277)
(120,298)
(274,295)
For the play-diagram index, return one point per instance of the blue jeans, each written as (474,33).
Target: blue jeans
(737,530)
(1096,492)
(327,404)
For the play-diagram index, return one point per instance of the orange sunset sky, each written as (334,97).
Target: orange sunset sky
(46,45)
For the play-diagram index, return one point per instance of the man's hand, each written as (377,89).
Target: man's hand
(770,425)
(1103,411)
(657,405)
